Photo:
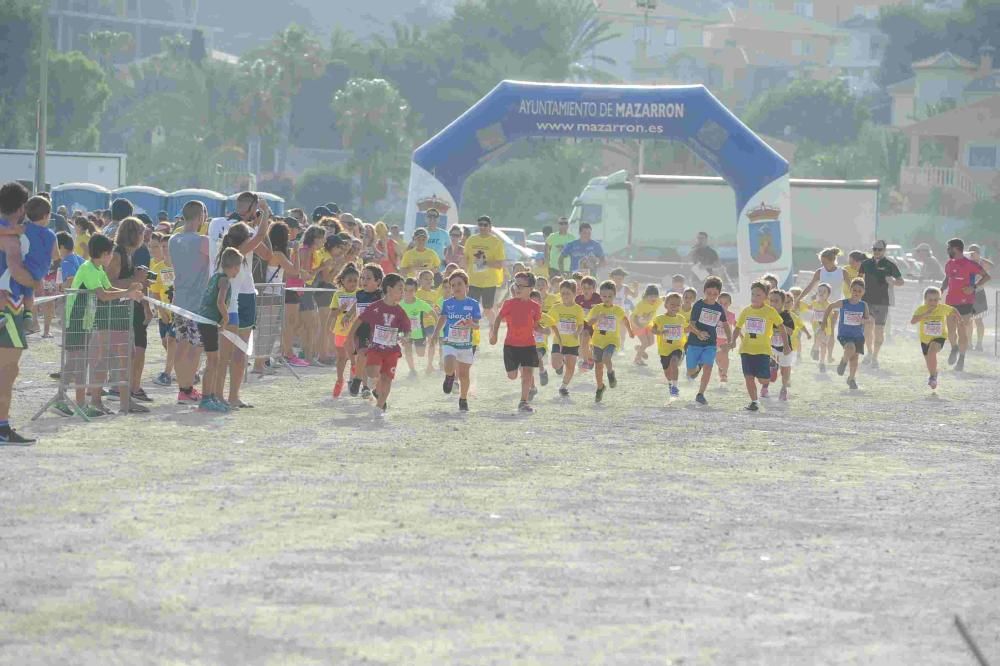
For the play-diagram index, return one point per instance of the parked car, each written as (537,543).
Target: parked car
(536,241)
(907,264)
(514,251)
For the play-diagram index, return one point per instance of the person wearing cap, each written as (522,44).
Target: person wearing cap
(162,216)
(420,257)
(484,257)
(930,268)
(554,244)
(437,238)
(981,307)
(963,279)
(319,212)
(333,208)
(877,272)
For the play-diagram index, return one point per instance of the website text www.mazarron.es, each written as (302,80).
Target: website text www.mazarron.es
(610,128)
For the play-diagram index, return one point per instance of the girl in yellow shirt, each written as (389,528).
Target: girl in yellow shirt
(671,336)
(642,316)
(934,317)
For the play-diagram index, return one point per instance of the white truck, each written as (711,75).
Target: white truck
(653,218)
(104,169)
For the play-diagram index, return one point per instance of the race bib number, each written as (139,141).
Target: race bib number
(709,317)
(539,338)
(167,277)
(385,336)
(608,324)
(934,329)
(415,323)
(673,332)
(459,336)
(361,308)
(756,325)
(567,327)
(854,318)
(49,283)
(720,331)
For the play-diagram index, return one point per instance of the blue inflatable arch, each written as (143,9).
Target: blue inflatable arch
(689,114)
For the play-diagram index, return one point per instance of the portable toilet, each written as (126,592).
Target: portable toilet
(276,203)
(214,202)
(148,200)
(81,196)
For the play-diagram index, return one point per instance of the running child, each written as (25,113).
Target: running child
(670,331)
(360,335)
(215,306)
(569,319)
(548,299)
(542,339)
(459,321)
(420,313)
(624,294)
(799,310)
(519,353)
(607,320)
(782,339)
(854,314)
(707,315)
(689,296)
(755,325)
(343,311)
(432,295)
(722,336)
(822,349)
(387,322)
(587,298)
(934,318)
(643,314)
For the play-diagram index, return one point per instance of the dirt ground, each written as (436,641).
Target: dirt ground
(833,529)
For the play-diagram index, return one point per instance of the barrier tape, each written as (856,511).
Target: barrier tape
(298,289)
(244,347)
(48,299)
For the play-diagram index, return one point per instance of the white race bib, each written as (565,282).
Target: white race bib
(756,325)
(709,317)
(673,332)
(361,308)
(347,303)
(385,336)
(934,329)
(720,331)
(539,338)
(415,323)
(459,336)
(567,327)
(608,323)
(853,318)
(167,277)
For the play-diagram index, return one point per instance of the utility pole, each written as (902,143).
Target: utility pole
(43,98)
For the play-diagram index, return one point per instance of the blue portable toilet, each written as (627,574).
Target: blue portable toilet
(276,203)
(81,196)
(214,202)
(148,200)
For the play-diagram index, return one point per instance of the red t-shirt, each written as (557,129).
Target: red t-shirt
(521,317)
(388,323)
(588,303)
(959,273)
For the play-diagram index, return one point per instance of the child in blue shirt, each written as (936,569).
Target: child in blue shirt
(37,248)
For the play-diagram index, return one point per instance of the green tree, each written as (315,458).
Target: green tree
(821,112)
(19,21)
(314,187)
(372,117)
(106,44)
(78,96)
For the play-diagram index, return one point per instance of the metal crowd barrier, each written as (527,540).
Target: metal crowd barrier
(270,324)
(97,347)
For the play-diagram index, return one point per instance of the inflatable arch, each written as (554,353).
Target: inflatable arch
(689,114)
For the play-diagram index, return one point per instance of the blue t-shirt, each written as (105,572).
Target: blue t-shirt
(706,318)
(579,251)
(69,265)
(438,241)
(851,324)
(41,240)
(454,311)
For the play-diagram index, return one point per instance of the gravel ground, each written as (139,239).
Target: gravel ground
(834,528)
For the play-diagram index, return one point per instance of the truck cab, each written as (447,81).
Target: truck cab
(605,204)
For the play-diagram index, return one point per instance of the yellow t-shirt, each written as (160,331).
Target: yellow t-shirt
(568,321)
(433,298)
(542,339)
(645,311)
(343,300)
(670,331)
(760,323)
(479,250)
(80,244)
(415,260)
(158,290)
(851,274)
(818,310)
(319,257)
(551,300)
(607,322)
(936,325)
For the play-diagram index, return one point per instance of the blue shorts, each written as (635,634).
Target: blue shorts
(700,355)
(166,329)
(756,365)
(603,353)
(247,309)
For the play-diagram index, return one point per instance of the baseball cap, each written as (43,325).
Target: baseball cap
(291,222)
(145,219)
(878,245)
(162,216)
(333,208)
(320,212)
(974,248)
(420,232)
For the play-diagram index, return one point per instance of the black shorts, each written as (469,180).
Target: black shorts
(965,309)
(139,335)
(859,344)
(519,357)
(566,351)
(323,298)
(486,296)
(307,303)
(926,346)
(675,354)
(209,337)
(756,365)
(292,297)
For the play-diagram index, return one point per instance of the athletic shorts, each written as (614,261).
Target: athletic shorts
(428,331)
(675,354)
(965,309)
(784,360)
(323,298)
(701,355)
(486,296)
(247,308)
(383,359)
(566,351)
(419,343)
(462,355)
(542,351)
(604,353)
(186,330)
(925,347)
(306,302)
(519,357)
(209,337)
(166,328)
(292,297)
(139,334)
(339,341)
(756,365)
(12,330)
(859,343)
(880,313)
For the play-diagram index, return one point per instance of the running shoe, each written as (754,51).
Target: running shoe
(867,360)
(600,393)
(192,397)
(932,382)
(55,375)
(587,365)
(162,379)
(612,380)
(338,388)
(532,392)
(822,367)
(752,407)
(412,374)
(559,370)
(700,399)
(842,367)
(224,405)
(563,391)
(141,396)
(463,405)
(296,362)
(239,404)
(210,405)
(137,408)
(525,408)
(449,383)
(674,391)
(355,387)
(765,392)
(543,377)
(783,395)
(960,366)
(9,436)
(62,409)
(851,384)
(366,393)
(953,355)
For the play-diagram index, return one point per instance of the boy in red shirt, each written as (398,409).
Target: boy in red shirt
(962,278)
(519,353)
(388,323)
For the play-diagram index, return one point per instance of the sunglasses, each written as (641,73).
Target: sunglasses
(433,217)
